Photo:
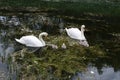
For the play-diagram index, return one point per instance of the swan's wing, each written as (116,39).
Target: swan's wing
(31,41)
(74,33)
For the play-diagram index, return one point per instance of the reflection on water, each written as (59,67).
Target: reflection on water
(6,48)
(108,73)
(3,71)
(36,22)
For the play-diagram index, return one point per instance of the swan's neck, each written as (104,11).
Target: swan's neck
(41,39)
(82,33)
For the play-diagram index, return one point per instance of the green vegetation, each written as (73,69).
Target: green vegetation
(55,63)
(68,8)
(61,63)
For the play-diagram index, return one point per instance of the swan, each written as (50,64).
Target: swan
(75,33)
(33,41)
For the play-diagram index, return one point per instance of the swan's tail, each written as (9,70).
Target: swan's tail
(19,41)
(84,43)
(65,29)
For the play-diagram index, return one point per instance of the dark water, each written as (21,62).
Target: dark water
(102,32)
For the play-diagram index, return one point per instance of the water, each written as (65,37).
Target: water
(92,73)
(104,33)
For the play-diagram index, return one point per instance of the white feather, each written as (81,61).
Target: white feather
(32,41)
(75,33)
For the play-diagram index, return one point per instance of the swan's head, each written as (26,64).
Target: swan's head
(44,34)
(83,28)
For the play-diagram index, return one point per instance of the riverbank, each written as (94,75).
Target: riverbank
(77,9)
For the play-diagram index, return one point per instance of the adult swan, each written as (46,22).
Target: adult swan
(32,41)
(75,33)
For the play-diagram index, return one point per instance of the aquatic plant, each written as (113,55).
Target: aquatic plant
(52,63)
(59,63)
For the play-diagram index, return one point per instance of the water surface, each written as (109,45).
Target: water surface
(104,33)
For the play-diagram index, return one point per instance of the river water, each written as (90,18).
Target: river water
(103,32)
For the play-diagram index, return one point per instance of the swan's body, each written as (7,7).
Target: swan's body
(33,41)
(75,33)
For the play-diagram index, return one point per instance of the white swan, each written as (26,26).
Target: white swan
(33,41)
(75,33)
